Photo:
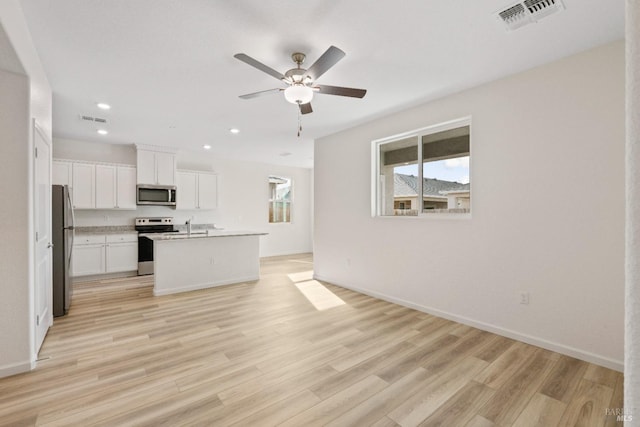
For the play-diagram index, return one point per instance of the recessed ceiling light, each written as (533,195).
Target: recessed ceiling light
(103,106)
(206,147)
(234,130)
(102,131)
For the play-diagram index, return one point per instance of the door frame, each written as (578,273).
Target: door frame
(37,130)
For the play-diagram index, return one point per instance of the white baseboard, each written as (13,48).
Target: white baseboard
(205,285)
(16,368)
(617,365)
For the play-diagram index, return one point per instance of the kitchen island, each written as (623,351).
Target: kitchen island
(186,262)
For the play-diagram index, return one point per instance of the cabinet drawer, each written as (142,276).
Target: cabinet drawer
(84,239)
(121,238)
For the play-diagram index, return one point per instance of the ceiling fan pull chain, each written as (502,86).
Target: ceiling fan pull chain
(299,123)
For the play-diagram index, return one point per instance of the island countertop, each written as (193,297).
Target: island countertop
(201,234)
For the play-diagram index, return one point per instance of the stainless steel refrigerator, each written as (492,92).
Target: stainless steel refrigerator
(62,234)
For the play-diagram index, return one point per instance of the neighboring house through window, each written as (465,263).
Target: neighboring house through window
(432,162)
(280,198)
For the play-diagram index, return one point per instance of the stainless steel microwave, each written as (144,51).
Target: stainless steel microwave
(160,195)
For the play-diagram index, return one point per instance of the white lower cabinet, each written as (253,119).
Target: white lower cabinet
(88,256)
(101,254)
(122,253)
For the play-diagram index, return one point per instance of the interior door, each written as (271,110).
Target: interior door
(43,292)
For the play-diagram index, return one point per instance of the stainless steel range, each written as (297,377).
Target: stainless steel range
(145,245)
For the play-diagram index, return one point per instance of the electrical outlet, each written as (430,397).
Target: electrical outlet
(524,298)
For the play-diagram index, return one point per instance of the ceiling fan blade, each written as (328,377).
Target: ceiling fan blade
(262,92)
(326,61)
(259,65)
(342,91)
(306,108)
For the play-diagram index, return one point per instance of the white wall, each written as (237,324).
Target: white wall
(242,196)
(632,250)
(24,94)
(549,140)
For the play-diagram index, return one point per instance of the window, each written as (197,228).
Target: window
(280,197)
(432,162)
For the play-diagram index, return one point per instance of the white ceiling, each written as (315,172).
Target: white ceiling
(167,66)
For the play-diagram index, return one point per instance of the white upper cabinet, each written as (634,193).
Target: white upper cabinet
(166,169)
(115,187)
(187,191)
(156,167)
(105,187)
(197,190)
(146,167)
(83,186)
(126,187)
(61,173)
(100,186)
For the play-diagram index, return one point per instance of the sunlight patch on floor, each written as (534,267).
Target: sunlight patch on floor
(321,297)
(301,277)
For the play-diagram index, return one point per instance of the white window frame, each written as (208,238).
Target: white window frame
(290,201)
(377,189)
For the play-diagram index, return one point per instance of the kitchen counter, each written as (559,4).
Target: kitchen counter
(116,229)
(184,262)
(201,234)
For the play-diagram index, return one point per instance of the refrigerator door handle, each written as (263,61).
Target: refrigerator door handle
(73,214)
(72,229)
(73,238)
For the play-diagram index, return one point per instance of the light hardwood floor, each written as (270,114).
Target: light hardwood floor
(262,354)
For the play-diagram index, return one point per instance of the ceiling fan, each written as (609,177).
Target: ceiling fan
(301,83)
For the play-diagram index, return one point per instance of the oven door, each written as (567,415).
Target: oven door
(145,256)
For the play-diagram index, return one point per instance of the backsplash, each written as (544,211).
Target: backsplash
(114,217)
(131,228)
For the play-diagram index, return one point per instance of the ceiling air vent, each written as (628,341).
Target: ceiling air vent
(92,119)
(528,11)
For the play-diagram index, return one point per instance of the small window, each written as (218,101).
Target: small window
(280,198)
(424,171)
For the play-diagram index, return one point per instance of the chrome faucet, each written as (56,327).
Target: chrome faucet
(188,226)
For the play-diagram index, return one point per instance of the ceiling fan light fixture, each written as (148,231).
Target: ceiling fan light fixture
(298,94)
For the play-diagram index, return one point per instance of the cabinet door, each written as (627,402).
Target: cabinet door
(83,186)
(126,188)
(105,187)
(88,259)
(146,170)
(186,196)
(166,169)
(61,173)
(207,191)
(122,257)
